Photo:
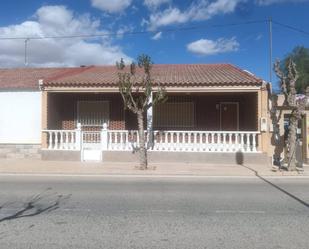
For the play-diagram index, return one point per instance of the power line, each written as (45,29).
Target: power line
(291,27)
(179,29)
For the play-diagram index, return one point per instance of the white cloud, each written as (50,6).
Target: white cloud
(258,37)
(111,6)
(57,21)
(197,11)
(269,2)
(153,4)
(212,47)
(157,36)
(167,17)
(124,29)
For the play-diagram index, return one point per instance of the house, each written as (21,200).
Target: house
(212,112)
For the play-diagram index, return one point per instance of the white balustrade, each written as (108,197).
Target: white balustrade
(197,141)
(124,140)
(61,139)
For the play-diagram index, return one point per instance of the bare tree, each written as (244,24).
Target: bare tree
(296,105)
(136,90)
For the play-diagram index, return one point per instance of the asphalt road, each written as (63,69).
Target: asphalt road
(125,212)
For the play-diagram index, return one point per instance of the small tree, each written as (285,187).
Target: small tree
(136,90)
(300,56)
(296,105)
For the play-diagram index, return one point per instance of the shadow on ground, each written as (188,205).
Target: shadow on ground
(43,202)
(240,161)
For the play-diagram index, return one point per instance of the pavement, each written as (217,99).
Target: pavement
(84,212)
(23,166)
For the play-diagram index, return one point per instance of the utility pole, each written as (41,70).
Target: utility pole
(26,52)
(270,50)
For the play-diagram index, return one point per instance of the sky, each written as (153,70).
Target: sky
(170,31)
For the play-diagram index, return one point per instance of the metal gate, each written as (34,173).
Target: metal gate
(91,149)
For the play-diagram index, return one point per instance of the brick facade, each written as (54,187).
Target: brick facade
(62,110)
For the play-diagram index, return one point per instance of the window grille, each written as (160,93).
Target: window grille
(174,114)
(92,113)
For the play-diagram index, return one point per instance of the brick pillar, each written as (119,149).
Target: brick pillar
(263,112)
(259,114)
(44,115)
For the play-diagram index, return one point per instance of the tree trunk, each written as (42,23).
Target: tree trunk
(291,157)
(142,148)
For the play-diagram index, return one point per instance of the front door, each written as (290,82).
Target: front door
(229,116)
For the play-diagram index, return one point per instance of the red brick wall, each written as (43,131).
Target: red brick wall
(62,110)
(207,110)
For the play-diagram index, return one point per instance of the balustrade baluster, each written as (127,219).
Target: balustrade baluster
(254,142)
(110,140)
(230,141)
(236,142)
(242,142)
(121,141)
(212,141)
(72,140)
(49,139)
(189,140)
(177,141)
(218,141)
(224,142)
(65,140)
(165,141)
(126,146)
(61,140)
(202,143)
(194,145)
(172,144)
(247,142)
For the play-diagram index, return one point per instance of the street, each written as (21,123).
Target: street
(153,212)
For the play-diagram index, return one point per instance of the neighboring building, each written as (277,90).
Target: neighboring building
(20,111)
(210,109)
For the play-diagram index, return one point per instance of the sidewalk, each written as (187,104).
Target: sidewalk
(22,166)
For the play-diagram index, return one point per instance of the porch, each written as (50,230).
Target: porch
(188,122)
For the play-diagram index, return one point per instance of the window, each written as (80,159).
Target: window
(92,113)
(174,114)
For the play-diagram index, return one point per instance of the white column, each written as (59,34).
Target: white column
(78,137)
(104,138)
(149,122)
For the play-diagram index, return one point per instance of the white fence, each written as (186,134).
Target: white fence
(195,141)
(62,139)
(123,140)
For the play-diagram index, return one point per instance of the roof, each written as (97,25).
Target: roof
(27,78)
(178,75)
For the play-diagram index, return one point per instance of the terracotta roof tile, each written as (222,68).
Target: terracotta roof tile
(167,75)
(178,75)
(27,78)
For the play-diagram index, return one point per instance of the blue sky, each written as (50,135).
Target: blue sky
(243,45)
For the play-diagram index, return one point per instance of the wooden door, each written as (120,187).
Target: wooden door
(229,116)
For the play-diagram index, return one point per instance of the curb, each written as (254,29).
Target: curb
(150,175)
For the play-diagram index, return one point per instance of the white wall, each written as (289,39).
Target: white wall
(20,117)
